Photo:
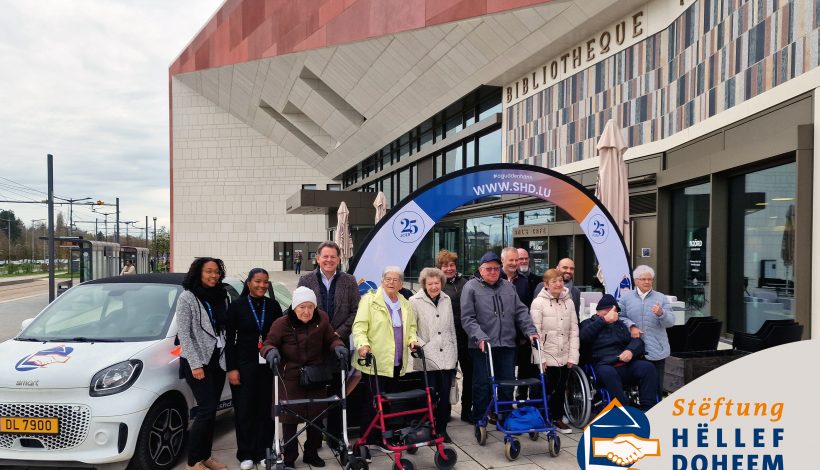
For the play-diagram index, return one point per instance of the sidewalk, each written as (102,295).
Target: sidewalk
(7,281)
(471,456)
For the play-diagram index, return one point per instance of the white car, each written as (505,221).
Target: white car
(94,378)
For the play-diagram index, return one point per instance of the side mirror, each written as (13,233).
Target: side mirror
(25,323)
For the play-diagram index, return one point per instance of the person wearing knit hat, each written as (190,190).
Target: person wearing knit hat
(301,295)
(302,339)
(616,355)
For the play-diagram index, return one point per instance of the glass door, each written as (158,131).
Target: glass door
(691,247)
(761,247)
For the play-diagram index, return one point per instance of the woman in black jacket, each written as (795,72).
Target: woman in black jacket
(248,322)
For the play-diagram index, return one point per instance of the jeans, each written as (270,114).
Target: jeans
(639,372)
(504,367)
(207,393)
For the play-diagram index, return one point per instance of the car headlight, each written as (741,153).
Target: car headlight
(115,379)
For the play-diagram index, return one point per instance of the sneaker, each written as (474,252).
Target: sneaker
(214,464)
(196,466)
(314,461)
(492,418)
(247,465)
(561,427)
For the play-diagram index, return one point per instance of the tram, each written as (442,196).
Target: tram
(92,259)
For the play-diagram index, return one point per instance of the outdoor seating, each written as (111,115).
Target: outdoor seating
(772,333)
(698,334)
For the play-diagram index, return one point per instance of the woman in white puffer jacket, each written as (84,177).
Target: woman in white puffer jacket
(553,314)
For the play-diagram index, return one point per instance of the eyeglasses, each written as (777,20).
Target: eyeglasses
(645,279)
(490,269)
(389,280)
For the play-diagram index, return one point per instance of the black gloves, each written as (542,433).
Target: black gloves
(342,353)
(273,358)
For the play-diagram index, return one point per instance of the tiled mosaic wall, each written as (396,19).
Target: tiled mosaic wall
(716,55)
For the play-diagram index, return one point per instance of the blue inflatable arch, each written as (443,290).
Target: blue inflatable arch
(395,238)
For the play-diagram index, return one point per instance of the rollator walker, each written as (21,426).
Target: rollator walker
(275,457)
(512,447)
(418,434)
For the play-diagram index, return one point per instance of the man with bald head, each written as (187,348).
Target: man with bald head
(567,269)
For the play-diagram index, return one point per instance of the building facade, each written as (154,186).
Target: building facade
(281,110)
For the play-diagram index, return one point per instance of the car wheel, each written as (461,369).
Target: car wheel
(161,437)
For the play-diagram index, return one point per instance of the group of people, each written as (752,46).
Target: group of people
(452,317)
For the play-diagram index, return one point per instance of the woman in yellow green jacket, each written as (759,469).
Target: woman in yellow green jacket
(385,326)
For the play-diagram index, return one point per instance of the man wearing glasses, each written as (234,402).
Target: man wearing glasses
(491,312)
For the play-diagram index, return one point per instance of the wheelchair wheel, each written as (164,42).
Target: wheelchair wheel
(578,398)
(533,436)
(408,465)
(442,464)
(554,445)
(512,449)
(481,435)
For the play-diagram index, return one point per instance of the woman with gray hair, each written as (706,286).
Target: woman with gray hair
(385,327)
(437,334)
(647,314)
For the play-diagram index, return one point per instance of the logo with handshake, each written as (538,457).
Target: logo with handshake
(616,438)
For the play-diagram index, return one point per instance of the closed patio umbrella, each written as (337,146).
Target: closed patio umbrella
(343,238)
(381,206)
(613,185)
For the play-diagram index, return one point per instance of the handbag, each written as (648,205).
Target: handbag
(524,419)
(455,390)
(314,376)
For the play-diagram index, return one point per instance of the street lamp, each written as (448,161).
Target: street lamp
(156,261)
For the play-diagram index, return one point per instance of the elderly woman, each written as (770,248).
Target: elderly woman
(454,284)
(647,314)
(437,334)
(386,327)
(298,341)
(553,314)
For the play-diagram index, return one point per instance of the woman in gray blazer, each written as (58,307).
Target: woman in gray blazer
(201,314)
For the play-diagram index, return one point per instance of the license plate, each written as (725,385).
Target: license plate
(30,425)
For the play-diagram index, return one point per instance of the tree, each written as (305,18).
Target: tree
(17,225)
(162,245)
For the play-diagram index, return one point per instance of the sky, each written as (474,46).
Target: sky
(87,81)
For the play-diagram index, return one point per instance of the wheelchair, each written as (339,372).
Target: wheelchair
(584,398)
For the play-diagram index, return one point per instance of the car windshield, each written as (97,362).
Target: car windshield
(106,312)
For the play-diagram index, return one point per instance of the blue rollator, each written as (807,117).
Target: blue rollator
(531,416)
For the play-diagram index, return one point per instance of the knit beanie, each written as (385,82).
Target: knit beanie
(301,295)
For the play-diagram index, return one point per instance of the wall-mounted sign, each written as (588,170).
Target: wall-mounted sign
(528,231)
(646,253)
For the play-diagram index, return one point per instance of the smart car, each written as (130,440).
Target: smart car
(94,378)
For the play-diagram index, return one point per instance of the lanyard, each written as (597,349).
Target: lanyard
(210,314)
(260,323)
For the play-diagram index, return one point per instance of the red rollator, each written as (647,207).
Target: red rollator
(420,433)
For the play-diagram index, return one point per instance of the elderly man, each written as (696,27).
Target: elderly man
(615,354)
(491,312)
(647,314)
(337,294)
(509,271)
(524,269)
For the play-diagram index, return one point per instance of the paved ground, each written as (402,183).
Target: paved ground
(20,299)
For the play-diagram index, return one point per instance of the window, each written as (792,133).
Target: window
(489,148)
(510,222)
(453,160)
(404,184)
(543,215)
(761,248)
(481,235)
(387,189)
(334,187)
(310,187)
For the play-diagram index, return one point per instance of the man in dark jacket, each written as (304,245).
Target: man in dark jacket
(337,294)
(615,355)
(523,360)
(491,312)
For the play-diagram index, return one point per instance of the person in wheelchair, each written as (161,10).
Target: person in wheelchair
(616,355)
